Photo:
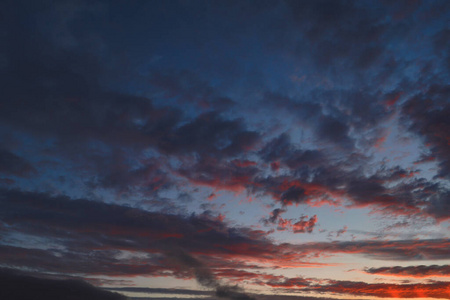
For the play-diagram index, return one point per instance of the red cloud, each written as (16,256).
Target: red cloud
(432,290)
(305,225)
(85,227)
(244,163)
(419,290)
(301,226)
(393,99)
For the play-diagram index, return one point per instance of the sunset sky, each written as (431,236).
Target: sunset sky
(246,150)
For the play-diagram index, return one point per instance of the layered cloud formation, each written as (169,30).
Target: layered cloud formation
(242,148)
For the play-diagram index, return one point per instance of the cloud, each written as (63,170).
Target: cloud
(113,117)
(87,219)
(205,277)
(109,133)
(412,271)
(289,282)
(95,233)
(168,292)
(160,291)
(338,233)
(404,250)
(385,290)
(219,173)
(224,137)
(274,216)
(117,174)
(426,114)
(11,164)
(281,150)
(350,38)
(188,87)
(24,287)
(438,289)
(301,226)
(341,231)
(57,95)
(95,238)
(99,232)
(392,191)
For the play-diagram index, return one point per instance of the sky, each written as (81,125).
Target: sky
(245,150)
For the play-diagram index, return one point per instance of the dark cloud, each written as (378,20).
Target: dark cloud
(442,46)
(232,292)
(402,250)
(347,118)
(289,282)
(205,277)
(426,115)
(63,98)
(92,237)
(343,35)
(82,261)
(210,134)
(281,149)
(335,131)
(125,227)
(394,191)
(439,206)
(412,271)
(66,100)
(293,195)
(11,164)
(161,291)
(16,286)
(84,226)
(117,174)
(146,291)
(274,216)
(219,173)
(289,191)
(94,233)
(99,130)
(155,105)
(188,87)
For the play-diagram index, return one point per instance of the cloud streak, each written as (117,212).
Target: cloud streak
(412,271)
